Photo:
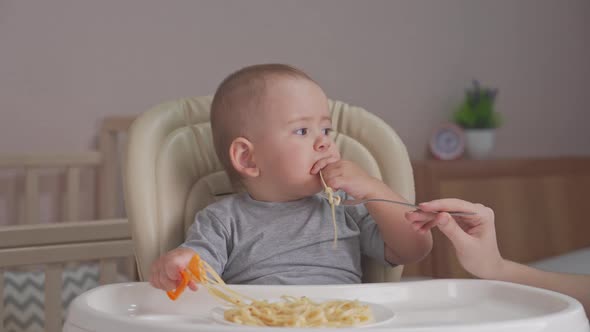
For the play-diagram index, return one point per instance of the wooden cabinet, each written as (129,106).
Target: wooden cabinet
(542,206)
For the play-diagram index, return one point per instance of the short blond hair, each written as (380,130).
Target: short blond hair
(236,98)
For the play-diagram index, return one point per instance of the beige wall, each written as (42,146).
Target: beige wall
(65,64)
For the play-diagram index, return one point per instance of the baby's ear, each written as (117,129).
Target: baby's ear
(241,156)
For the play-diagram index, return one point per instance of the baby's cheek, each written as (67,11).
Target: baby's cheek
(289,164)
(288,160)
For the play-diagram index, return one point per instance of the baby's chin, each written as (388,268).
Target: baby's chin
(315,185)
(310,188)
(304,187)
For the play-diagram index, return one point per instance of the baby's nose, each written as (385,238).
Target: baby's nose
(322,144)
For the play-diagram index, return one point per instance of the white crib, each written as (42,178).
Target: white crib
(45,264)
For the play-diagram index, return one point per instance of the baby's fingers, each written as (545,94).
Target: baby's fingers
(193,285)
(155,275)
(320,164)
(167,283)
(155,280)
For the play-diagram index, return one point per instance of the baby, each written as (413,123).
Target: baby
(271,128)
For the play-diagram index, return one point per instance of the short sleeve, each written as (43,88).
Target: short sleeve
(208,237)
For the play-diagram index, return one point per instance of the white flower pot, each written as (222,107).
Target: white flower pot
(479,142)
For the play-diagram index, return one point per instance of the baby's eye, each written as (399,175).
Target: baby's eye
(301,131)
(327,131)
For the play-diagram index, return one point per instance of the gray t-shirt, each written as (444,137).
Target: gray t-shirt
(253,242)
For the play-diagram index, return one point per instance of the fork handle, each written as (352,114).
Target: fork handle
(363,201)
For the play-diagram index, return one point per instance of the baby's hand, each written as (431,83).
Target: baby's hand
(332,157)
(349,177)
(165,271)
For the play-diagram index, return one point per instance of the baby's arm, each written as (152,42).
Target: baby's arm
(403,244)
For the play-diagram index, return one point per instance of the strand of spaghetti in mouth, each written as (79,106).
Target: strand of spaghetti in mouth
(334,201)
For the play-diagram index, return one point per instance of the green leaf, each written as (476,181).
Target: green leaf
(477,109)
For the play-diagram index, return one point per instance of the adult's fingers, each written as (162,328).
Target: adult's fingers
(448,204)
(417,215)
(427,226)
(449,227)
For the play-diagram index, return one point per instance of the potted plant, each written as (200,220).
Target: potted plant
(477,117)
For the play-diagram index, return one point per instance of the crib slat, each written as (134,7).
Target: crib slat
(131,268)
(32,203)
(108,271)
(65,252)
(73,193)
(20,236)
(12,203)
(89,158)
(107,176)
(21,217)
(53,305)
(2,311)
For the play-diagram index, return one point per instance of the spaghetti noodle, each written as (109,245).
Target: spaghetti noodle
(290,312)
(300,312)
(334,201)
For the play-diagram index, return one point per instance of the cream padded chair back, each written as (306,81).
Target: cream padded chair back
(169,177)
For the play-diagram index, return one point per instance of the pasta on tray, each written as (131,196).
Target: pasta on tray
(289,312)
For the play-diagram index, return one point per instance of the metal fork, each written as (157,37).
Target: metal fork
(363,201)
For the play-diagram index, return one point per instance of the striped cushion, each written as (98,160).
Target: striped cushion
(24,294)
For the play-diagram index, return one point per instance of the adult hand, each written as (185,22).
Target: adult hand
(473,236)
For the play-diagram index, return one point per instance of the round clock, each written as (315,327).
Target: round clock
(447,142)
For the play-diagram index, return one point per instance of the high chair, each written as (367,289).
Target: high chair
(172,172)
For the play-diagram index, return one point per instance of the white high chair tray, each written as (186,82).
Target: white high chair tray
(433,305)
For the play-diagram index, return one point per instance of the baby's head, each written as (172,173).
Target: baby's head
(270,125)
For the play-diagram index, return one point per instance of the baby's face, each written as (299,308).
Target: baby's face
(293,133)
